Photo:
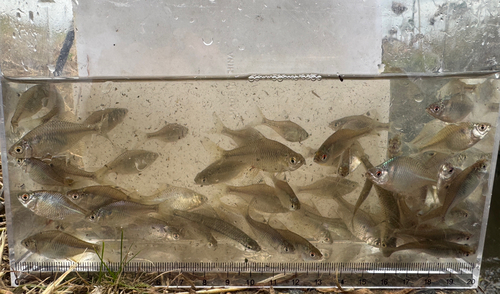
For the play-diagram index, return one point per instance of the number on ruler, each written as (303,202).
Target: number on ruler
(471,281)
(228,282)
(273,282)
(427,281)
(295,282)
(204,282)
(318,282)
(449,281)
(384,282)
(362,281)
(406,281)
(250,282)
(181,281)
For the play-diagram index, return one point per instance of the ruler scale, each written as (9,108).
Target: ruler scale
(284,275)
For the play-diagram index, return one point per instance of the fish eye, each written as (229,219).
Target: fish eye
(176,236)
(312,254)
(482,127)
(286,249)
(25,197)
(92,217)
(75,196)
(293,160)
(383,244)
(378,174)
(18,149)
(436,108)
(19,160)
(324,157)
(451,170)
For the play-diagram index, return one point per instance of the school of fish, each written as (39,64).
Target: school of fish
(422,188)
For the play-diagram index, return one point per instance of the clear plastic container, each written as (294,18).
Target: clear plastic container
(195,70)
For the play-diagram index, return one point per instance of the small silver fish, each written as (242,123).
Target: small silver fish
(452,110)
(220,171)
(362,226)
(337,143)
(446,176)
(329,187)
(457,137)
(108,118)
(303,247)
(129,162)
(262,197)
(264,154)
(432,160)
(269,235)
(51,139)
(401,175)
(289,130)
(304,224)
(151,230)
(222,227)
(63,166)
(174,198)
(435,233)
(94,197)
(284,190)
(50,204)
(58,245)
(437,248)
(43,173)
(120,213)
(169,133)
(241,136)
(350,159)
(464,184)
(30,102)
(357,122)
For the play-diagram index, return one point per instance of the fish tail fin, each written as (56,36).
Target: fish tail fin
(142,137)
(388,251)
(212,148)
(219,126)
(259,119)
(100,175)
(493,106)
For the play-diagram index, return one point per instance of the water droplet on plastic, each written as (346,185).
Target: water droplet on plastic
(209,42)
(207,37)
(419,98)
(192,20)
(13,35)
(497,76)
(176,17)
(241,48)
(224,20)
(240,9)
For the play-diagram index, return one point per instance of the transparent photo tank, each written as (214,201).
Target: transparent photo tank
(298,179)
